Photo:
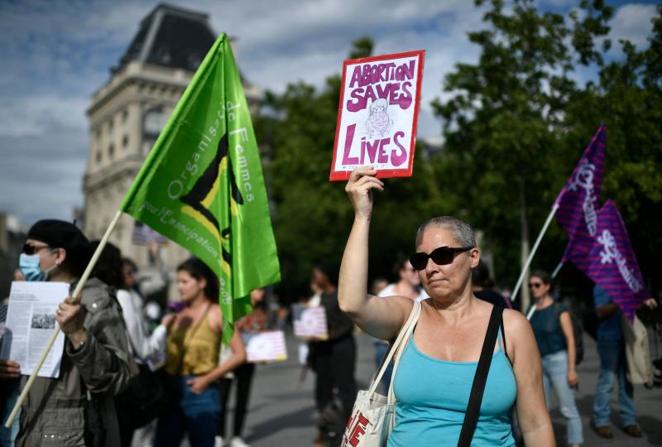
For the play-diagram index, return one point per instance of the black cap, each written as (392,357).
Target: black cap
(62,234)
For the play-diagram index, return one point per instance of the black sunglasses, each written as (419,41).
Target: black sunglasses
(440,256)
(535,285)
(33,249)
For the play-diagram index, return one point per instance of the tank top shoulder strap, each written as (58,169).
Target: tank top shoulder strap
(501,341)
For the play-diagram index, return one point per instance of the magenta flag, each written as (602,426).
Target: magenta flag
(578,200)
(611,262)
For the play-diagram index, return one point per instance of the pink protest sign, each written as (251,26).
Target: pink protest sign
(378,114)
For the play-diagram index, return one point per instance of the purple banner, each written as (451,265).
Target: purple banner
(610,262)
(578,200)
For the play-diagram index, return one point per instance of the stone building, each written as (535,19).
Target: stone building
(128,112)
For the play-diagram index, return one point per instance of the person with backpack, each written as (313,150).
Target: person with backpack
(553,328)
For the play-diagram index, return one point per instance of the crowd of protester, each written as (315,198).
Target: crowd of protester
(130,377)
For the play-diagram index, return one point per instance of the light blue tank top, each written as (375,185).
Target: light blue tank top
(432,396)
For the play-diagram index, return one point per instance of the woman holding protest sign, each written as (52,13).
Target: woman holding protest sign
(433,382)
(77,407)
(552,326)
(192,348)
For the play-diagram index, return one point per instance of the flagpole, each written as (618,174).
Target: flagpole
(557,269)
(531,312)
(525,268)
(76,298)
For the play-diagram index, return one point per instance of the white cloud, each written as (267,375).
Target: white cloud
(632,22)
(55,54)
(34,115)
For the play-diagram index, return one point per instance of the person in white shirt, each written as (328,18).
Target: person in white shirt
(147,348)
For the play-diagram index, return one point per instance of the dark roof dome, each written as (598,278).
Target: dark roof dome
(171,37)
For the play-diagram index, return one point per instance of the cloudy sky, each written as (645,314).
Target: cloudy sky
(55,53)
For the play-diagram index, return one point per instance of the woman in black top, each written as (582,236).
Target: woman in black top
(552,327)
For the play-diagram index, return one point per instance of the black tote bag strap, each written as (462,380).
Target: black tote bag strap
(478,386)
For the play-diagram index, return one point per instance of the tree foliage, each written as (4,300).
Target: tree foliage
(514,126)
(517,121)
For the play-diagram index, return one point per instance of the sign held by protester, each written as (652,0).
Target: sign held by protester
(310,322)
(268,346)
(378,114)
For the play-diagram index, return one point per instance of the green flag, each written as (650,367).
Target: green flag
(202,185)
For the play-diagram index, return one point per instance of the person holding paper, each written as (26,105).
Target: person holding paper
(77,408)
(435,374)
(333,360)
(192,354)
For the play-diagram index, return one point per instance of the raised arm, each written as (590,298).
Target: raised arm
(381,317)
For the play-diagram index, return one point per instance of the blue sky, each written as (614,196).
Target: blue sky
(55,53)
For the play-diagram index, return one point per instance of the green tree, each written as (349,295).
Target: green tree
(627,97)
(516,123)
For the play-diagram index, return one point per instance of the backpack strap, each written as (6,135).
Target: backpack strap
(478,386)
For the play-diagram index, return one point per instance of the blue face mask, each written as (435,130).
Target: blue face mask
(30,268)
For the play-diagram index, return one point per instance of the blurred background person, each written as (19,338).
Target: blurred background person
(611,349)
(483,287)
(252,323)
(333,360)
(552,326)
(378,284)
(136,404)
(192,359)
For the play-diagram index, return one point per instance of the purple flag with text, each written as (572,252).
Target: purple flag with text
(578,200)
(611,262)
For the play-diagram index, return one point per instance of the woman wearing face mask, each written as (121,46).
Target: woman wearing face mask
(192,347)
(437,366)
(77,408)
(556,340)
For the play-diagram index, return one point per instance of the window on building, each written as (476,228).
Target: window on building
(153,121)
(111,151)
(99,156)
(125,116)
(125,141)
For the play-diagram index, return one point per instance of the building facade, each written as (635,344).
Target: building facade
(127,114)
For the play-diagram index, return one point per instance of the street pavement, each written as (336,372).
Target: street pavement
(282,411)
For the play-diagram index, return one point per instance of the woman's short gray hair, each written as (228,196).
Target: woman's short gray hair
(462,231)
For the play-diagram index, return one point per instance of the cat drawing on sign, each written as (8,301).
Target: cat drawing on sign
(378,123)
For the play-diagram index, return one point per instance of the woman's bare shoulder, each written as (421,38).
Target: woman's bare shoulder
(216,316)
(516,324)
